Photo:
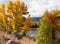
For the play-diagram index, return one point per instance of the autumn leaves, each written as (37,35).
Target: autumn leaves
(11,15)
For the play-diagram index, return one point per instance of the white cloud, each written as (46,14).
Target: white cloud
(39,6)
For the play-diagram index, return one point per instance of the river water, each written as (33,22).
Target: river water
(33,33)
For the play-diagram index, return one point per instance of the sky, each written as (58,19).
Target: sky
(36,8)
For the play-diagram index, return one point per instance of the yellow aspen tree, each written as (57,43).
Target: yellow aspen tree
(2,15)
(19,10)
(54,13)
(14,14)
(27,24)
(10,15)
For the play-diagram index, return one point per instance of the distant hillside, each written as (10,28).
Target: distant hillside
(35,19)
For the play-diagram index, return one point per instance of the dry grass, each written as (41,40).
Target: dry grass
(25,40)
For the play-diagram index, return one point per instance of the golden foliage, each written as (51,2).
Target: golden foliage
(25,28)
(12,17)
(27,24)
(9,4)
(53,15)
(28,21)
